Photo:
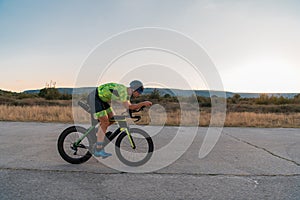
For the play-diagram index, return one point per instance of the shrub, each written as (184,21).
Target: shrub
(49,93)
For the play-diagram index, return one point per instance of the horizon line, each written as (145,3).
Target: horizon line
(229,91)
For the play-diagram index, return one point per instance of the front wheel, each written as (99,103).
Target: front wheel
(67,148)
(140,154)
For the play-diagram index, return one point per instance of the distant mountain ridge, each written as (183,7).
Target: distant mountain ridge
(171,92)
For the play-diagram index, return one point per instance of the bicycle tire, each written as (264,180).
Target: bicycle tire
(64,150)
(121,143)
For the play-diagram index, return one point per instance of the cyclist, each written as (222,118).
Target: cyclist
(102,110)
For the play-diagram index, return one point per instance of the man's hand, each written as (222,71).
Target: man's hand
(147,103)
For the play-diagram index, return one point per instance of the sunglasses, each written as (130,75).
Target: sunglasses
(140,90)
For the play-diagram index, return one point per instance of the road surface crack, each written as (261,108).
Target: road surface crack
(149,173)
(262,148)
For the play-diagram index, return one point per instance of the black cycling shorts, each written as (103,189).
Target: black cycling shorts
(99,108)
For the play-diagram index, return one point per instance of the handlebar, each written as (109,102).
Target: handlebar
(135,111)
(138,118)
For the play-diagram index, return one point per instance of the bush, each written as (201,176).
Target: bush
(297,99)
(53,94)
(155,94)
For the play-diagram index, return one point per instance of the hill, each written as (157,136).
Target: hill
(172,92)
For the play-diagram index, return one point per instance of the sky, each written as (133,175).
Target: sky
(254,44)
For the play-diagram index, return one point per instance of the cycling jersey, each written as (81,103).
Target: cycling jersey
(113,91)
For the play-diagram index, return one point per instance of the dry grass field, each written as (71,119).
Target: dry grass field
(35,113)
(234,119)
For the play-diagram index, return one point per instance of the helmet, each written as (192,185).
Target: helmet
(137,86)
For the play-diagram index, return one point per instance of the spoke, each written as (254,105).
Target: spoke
(70,140)
(137,154)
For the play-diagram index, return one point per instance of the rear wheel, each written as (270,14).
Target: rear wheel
(74,154)
(142,152)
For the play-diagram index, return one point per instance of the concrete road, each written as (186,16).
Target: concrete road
(246,163)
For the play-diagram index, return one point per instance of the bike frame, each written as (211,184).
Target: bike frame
(123,127)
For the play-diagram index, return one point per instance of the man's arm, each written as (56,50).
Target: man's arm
(137,106)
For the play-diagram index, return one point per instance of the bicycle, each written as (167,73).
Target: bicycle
(75,144)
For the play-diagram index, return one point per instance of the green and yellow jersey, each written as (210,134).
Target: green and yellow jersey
(113,91)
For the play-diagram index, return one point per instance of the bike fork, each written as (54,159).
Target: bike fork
(129,137)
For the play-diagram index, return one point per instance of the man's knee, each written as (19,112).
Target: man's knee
(104,122)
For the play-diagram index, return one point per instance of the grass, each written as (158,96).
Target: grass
(35,113)
(172,117)
(269,120)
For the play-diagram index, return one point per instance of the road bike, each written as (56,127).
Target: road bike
(133,146)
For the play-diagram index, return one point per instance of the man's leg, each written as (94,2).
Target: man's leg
(103,113)
(99,151)
(104,123)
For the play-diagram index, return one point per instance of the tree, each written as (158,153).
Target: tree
(166,96)
(297,98)
(263,99)
(204,101)
(155,94)
(65,96)
(236,98)
(49,93)
(281,100)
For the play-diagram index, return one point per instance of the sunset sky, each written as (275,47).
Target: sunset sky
(254,44)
